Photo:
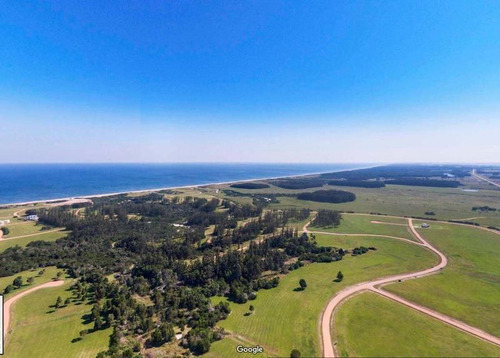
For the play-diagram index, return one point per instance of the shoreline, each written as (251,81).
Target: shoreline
(49,201)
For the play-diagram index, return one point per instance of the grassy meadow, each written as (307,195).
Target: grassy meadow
(467,289)
(49,236)
(285,319)
(362,224)
(49,274)
(369,325)
(40,331)
(400,200)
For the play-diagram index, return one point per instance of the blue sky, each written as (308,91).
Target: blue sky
(258,81)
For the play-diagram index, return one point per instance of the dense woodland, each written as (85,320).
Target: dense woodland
(302,183)
(156,249)
(399,171)
(328,196)
(358,183)
(249,185)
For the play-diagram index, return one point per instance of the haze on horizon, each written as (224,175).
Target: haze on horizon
(343,81)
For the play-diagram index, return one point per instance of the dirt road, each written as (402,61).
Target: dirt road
(35,234)
(484,179)
(328,349)
(10,302)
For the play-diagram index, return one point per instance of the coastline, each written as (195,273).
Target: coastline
(48,201)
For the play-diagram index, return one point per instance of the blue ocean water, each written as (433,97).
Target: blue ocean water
(32,182)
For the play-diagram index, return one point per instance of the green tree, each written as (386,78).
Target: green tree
(98,324)
(303,283)
(67,301)
(162,334)
(251,308)
(18,282)
(295,354)
(340,276)
(5,230)
(58,302)
(30,280)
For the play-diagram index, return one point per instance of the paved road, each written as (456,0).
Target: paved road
(328,349)
(8,304)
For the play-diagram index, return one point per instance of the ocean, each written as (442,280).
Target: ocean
(34,182)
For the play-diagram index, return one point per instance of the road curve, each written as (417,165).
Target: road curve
(431,220)
(8,304)
(328,349)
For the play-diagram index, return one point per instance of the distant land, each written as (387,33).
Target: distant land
(33,182)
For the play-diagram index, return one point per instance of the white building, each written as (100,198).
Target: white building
(4,222)
(32,217)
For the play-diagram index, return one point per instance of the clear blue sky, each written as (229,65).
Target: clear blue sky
(288,81)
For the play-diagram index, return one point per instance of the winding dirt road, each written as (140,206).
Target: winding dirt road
(374,286)
(8,304)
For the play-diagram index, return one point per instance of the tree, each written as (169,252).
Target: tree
(295,354)
(303,283)
(58,302)
(340,276)
(59,274)
(8,289)
(67,301)
(5,230)
(98,324)
(251,308)
(163,334)
(30,280)
(18,281)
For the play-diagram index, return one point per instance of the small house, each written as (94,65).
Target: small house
(32,217)
(425,226)
(4,222)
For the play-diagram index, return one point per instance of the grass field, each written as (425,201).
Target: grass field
(469,287)
(447,203)
(52,236)
(362,224)
(24,228)
(39,331)
(285,319)
(371,325)
(7,212)
(50,273)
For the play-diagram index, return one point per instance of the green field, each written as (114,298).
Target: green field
(23,228)
(370,325)
(51,236)
(469,287)
(362,224)
(400,200)
(39,331)
(285,319)
(50,273)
